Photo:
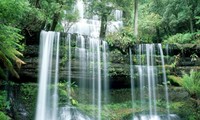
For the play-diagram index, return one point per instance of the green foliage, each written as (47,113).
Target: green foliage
(3,116)
(122,39)
(9,48)
(148,23)
(191,82)
(185,109)
(28,97)
(176,12)
(198,19)
(9,35)
(29,91)
(127,7)
(181,38)
(105,7)
(117,65)
(158,19)
(12,11)
(113,111)
(47,14)
(22,17)
(194,57)
(64,95)
(175,79)
(4,104)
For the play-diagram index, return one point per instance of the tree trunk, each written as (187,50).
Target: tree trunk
(136,18)
(55,21)
(103,26)
(158,35)
(190,3)
(191,25)
(37,4)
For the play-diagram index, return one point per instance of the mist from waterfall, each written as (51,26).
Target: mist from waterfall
(90,26)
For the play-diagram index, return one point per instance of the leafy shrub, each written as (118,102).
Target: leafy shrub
(191,83)
(64,94)
(10,38)
(181,38)
(4,104)
(121,40)
(28,98)
(185,109)
(9,48)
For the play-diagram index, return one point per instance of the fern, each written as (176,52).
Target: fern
(191,82)
(9,49)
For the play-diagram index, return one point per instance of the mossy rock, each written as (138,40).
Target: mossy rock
(175,80)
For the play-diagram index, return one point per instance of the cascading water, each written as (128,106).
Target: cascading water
(91,27)
(91,64)
(47,97)
(96,79)
(146,77)
(105,72)
(68,43)
(90,55)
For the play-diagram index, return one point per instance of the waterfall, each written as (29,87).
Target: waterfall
(99,80)
(87,66)
(131,77)
(90,63)
(80,8)
(91,26)
(68,43)
(105,72)
(47,98)
(165,79)
(93,75)
(145,73)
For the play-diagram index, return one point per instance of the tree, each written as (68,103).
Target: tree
(103,9)
(159,19)
(12,12)
(136,18)
(149,24)
(47,14)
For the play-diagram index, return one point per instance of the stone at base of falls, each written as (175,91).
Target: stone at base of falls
(71,113)
(157,117)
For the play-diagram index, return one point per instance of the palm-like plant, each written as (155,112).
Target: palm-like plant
(9,50)
(11,13)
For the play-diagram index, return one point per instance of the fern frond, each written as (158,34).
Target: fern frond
(2,74)
(8,64)
(191,82)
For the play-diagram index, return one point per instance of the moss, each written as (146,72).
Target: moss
(28,98)
(175,80)
(4,104)
(185,109)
